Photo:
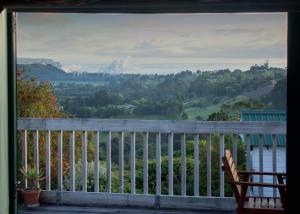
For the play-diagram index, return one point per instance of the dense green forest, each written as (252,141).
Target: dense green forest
(184,95)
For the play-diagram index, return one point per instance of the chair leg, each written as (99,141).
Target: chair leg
(239,210)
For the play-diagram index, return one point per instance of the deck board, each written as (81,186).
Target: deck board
(45,209)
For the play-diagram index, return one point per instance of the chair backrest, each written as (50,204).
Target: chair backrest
(231,170)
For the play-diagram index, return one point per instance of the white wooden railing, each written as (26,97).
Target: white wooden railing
(145,127)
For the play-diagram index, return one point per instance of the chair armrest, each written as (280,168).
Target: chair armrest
(261,173)
(259,184)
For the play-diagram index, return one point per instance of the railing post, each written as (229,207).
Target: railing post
(36,153)
(84,161)
(234,147)
(261,162)
(158,163)
(59,161)
(145,162)
(221,171)
(72,161)
(48,160)
(208,163)
(248,158)
(170,163)
(96,161)
(249,166)
(24,154)
(196,165)
(121,162)
(132,163)
(183,165)
(108,162)
(274,161)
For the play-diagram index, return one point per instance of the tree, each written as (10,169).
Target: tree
(233,109)
(218,116)
(36,99)
(266,64)
(184,116)
(278,94)
(199,118)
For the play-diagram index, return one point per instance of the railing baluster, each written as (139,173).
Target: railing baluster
(248,157)
(158,163)
(208,163)
(261,162)
(121,162)
(36,153)
(24,154)
(170,163)
(108,162)
(84,161)
(145,162)
(234,147)
(221,171)
(96,161)
(48,160)
(183,165)
(59,161)
(72,161)
(274,161)
(132,163)
(196,165)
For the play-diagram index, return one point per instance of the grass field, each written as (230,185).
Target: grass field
(204,112)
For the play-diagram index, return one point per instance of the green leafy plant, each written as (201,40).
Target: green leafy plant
(32,176)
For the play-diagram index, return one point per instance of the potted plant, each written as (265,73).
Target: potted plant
(31,194)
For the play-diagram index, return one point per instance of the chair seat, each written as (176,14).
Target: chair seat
(263,203)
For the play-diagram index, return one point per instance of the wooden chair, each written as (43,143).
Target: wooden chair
(254,204)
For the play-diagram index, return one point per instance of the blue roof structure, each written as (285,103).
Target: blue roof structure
(265,115)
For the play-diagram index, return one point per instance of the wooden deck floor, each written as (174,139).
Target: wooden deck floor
(45,209)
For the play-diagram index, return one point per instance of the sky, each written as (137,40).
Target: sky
(154,43)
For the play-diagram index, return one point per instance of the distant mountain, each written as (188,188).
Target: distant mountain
(42,72)
(50,72)
(42,61)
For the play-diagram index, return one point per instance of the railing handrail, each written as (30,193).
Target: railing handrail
(164,126)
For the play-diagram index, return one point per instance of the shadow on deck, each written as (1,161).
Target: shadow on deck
(43,209)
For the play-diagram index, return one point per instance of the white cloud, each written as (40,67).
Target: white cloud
(73,67)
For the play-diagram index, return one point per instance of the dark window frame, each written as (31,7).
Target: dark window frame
(165,6)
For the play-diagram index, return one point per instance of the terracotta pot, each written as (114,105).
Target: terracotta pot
(31,197)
